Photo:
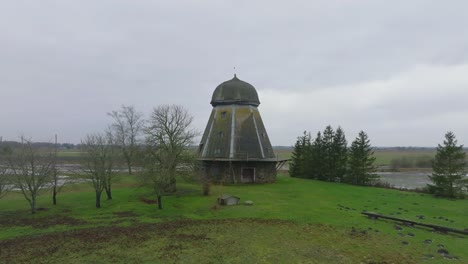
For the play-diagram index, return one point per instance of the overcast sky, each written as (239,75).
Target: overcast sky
(395,69)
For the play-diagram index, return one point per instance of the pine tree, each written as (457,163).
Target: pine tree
(449,168)
(361,162)
(334,154)
(328,160)
(300,156)
(339,154)
(316,168)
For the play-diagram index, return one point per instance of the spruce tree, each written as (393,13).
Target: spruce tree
(317,158)
(300,154)
(328,173)
(449,169)
(361,169)
(339,154)
(334,154)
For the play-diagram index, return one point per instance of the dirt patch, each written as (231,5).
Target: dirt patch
(166,241)
(84,239)
(148,201)
(43,222)
(125,214)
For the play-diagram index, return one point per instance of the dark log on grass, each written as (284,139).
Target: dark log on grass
(444,229)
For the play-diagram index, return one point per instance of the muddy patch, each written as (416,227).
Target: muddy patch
(125,214)
(148,201)
(42,222)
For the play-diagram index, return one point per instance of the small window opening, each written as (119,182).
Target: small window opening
(223,114)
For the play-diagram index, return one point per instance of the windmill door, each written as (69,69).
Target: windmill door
(248,175)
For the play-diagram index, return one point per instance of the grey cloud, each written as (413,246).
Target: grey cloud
(65,64)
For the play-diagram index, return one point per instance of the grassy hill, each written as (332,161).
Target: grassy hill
(293,220)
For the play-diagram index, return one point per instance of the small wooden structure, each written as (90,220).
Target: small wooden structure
(375,216)
(227,199)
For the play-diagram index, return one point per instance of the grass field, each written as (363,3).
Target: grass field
(293,220)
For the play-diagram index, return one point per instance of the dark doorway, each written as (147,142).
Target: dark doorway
(248,175)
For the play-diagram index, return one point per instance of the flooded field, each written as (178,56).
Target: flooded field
(407,180)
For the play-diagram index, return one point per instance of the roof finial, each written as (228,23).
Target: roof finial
(235,76)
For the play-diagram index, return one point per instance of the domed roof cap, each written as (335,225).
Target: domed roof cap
(235,91)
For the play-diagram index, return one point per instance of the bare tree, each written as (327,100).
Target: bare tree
(154,175)
(5,185)
(127,127)
(169,134)
(31,171)
(57,183)
(98,162)
(113,156)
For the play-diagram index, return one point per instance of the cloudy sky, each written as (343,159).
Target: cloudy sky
(395,69)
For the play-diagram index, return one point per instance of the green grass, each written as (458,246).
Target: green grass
(385,157)
(293,220)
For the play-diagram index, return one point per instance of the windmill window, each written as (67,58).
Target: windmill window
(223,114)
(220,134)
(263,135)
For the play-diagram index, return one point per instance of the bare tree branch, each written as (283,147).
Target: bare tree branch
(98,163)
(57,182)
(31,171)
(168,135)
(127,128)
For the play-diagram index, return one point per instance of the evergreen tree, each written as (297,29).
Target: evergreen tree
(449,168)
(361,162)
(317,158)
(300,156)
(334,154)
(328,155)
(339,154)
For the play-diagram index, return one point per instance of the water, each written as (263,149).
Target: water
(407,180)
(63,180)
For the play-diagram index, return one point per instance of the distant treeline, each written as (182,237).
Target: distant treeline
(15,144)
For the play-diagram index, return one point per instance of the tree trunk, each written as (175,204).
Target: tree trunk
(129,168)
(159,201)
(98,199)
(171,185)
(206,186)
(54,197)
(33,205)
(54,192)
(109,193)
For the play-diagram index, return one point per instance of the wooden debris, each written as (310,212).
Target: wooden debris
(444,229)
